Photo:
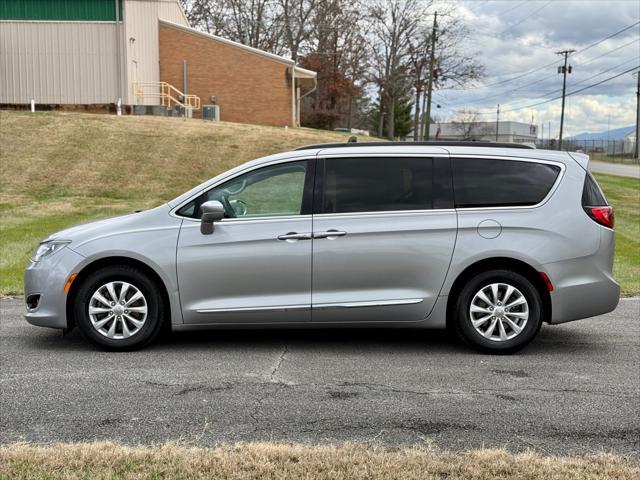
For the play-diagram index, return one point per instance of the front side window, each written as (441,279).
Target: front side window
(479,182)
(377,184)
(270,191)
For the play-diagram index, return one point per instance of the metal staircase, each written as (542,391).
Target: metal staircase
(167,95)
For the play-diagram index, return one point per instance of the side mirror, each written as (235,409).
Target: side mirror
(212,211)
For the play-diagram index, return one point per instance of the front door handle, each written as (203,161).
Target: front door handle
(293,236)
(330,234)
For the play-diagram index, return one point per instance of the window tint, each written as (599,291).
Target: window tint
(492,183)
(377,184)
(268,191)
(591,194)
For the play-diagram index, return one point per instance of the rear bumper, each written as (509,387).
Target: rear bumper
(581,290)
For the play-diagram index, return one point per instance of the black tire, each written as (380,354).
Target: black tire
(462,319)
(134,276)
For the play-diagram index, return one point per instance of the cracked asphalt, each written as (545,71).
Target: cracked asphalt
(574,390)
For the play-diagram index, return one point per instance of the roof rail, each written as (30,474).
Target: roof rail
(438,143)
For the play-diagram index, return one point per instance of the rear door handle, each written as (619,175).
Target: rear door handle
(330,234)
(293,236)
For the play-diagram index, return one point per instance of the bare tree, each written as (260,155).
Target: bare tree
(393,24)
(252,22)
(207,15)
(469,125)
(337,51)
(451,66)
(295,22)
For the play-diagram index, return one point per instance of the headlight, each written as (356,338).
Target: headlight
(48,248)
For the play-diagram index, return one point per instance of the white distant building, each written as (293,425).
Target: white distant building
(512,132)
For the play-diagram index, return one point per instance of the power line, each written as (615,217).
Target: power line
(524,19)
(588,78)
(575,92)
(607,38)
(535,82)
(607,52)
(529,72)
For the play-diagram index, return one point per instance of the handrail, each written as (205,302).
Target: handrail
(166,94)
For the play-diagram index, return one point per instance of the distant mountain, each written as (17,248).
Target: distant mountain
(615,134)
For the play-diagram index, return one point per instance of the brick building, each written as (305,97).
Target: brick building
(139,52)
(247,83)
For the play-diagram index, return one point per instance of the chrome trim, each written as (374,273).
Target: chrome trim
(265,219)
(295,236)
(407,301)
(278,308)
(330,234)
(385,213)
(442,153)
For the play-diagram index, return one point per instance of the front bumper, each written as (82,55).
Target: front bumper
(47,279)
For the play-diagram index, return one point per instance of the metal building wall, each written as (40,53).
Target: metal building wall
(58,62)
(141,39)
(75,62)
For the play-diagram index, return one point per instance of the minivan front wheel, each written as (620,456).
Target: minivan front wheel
(119,308)
(498,311)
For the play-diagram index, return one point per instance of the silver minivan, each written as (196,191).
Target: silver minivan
(487,240)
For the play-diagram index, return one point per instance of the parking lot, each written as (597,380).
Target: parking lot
(575,389)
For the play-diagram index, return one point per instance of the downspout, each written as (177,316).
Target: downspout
(293,95)
(118,51)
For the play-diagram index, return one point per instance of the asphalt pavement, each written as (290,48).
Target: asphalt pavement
(574,390)
(620,169)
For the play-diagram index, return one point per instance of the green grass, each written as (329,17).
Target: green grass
(61,169)
(624,194)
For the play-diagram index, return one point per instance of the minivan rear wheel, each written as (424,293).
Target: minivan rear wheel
(498,311)
(119,308)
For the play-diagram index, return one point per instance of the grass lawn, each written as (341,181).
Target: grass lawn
(60,169)
(279,461)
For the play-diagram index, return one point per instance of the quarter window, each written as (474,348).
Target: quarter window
(377,184)
(270,191)
(497,183)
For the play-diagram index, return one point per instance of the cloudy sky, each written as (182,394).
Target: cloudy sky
(514,37)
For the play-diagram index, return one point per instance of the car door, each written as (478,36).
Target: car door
(384,233)
(256,265)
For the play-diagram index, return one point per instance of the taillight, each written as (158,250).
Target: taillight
(601,215)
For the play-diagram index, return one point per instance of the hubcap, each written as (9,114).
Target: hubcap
(118,310)
(499,312)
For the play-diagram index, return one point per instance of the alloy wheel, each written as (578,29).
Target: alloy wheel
(118,310)
(499,312)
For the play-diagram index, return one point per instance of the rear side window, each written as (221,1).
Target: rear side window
(501,183)
(591,194)
(377,184)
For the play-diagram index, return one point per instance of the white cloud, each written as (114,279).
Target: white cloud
(513,37)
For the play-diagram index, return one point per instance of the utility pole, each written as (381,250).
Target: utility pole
(564,70)
(637,153)
(497,121)
(426,118)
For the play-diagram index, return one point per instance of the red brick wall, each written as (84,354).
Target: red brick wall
(248,87)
